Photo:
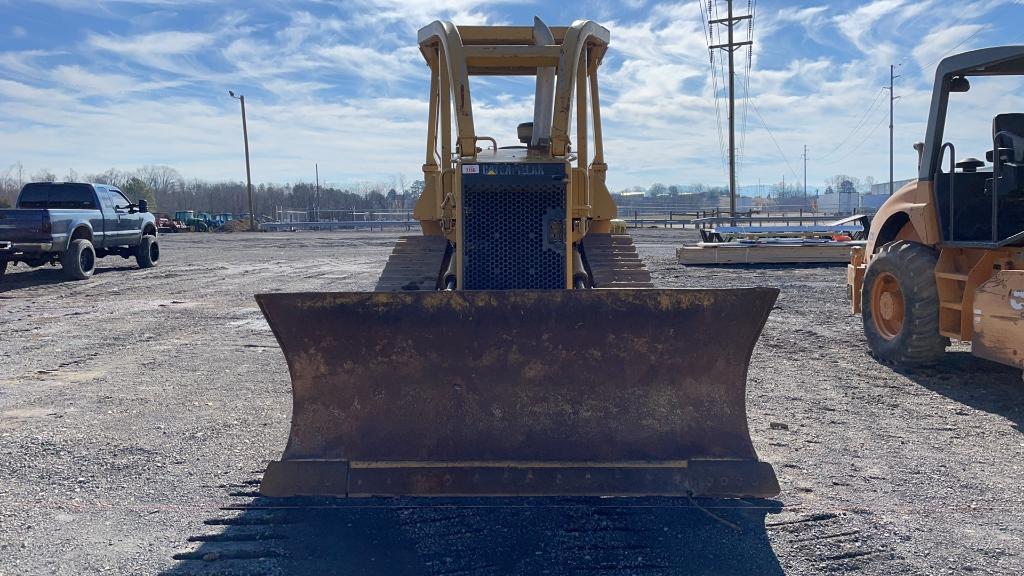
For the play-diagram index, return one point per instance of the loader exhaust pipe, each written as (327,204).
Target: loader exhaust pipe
(564,392)
(544,94)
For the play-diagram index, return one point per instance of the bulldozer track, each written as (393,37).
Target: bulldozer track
(414,264)
(614,262)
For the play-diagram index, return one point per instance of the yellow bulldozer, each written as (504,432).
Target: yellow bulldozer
(516,346)
(945,254)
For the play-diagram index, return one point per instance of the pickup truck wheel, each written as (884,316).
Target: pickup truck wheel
(79,261)
(3,268)
(147,254)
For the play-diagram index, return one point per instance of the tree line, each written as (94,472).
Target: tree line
(167,191)
(697,191)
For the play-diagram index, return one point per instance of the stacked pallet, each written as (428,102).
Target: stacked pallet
(799,252)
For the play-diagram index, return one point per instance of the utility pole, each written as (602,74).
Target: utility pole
(805,176)
(248,173)
(316,193)
(892,100)
(730,48)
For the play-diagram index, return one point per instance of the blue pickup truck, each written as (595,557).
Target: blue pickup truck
(74,224)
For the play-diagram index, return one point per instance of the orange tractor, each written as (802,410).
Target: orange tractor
(945,255)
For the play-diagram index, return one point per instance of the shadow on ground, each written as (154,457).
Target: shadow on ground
(770,265)
(46,276)
(493,536)
(977,383)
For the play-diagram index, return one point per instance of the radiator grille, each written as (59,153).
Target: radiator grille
(509,234)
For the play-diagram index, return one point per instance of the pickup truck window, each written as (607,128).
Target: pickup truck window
(44,195)
(119,200)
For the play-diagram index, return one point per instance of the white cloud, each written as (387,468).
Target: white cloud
(347,87)
(936,45)
(415,13)
(169,43)
(375,65)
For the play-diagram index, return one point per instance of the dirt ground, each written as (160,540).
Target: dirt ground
(138,409)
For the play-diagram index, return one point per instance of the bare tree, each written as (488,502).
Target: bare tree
(113,177)
(44,175)
(162,179)
(401,190)
(9,187)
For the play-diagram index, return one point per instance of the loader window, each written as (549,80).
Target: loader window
(965,201)
(981,201)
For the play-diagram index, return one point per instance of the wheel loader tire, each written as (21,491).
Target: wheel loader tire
(79,261)
(901,306)
(147,253)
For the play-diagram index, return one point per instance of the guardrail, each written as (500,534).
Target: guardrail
(694,220)
(711,218)
(350,225)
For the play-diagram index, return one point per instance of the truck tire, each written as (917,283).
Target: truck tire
(900,303)
(79,261)
(147,253)
(3,268)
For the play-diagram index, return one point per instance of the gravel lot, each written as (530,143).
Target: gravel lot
(137,410)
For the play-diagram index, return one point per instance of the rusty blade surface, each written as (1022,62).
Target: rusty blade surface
(484,379)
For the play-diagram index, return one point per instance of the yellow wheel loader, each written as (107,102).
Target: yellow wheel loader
(517,347)
(945,254)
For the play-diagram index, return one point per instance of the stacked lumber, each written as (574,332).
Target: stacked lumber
(711,253)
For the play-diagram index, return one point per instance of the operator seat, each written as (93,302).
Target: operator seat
(1008,134)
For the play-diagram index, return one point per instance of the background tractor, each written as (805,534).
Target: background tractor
(945,255)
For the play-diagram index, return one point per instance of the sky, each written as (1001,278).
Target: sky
(90,85)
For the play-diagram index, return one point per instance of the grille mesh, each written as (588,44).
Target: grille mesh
(504,236)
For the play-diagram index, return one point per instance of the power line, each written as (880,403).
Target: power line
(709,40)
(950,51)
(714,83)
(730,47)
(881,121)
(981,28)
(724,82)
(749,64)
(858,126)
(892,107)
(772,136)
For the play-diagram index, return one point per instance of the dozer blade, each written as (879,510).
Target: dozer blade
(574,392)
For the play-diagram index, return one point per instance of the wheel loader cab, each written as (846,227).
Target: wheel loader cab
(972,190)
(978,203)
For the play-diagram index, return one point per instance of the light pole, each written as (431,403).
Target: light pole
(248,173)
